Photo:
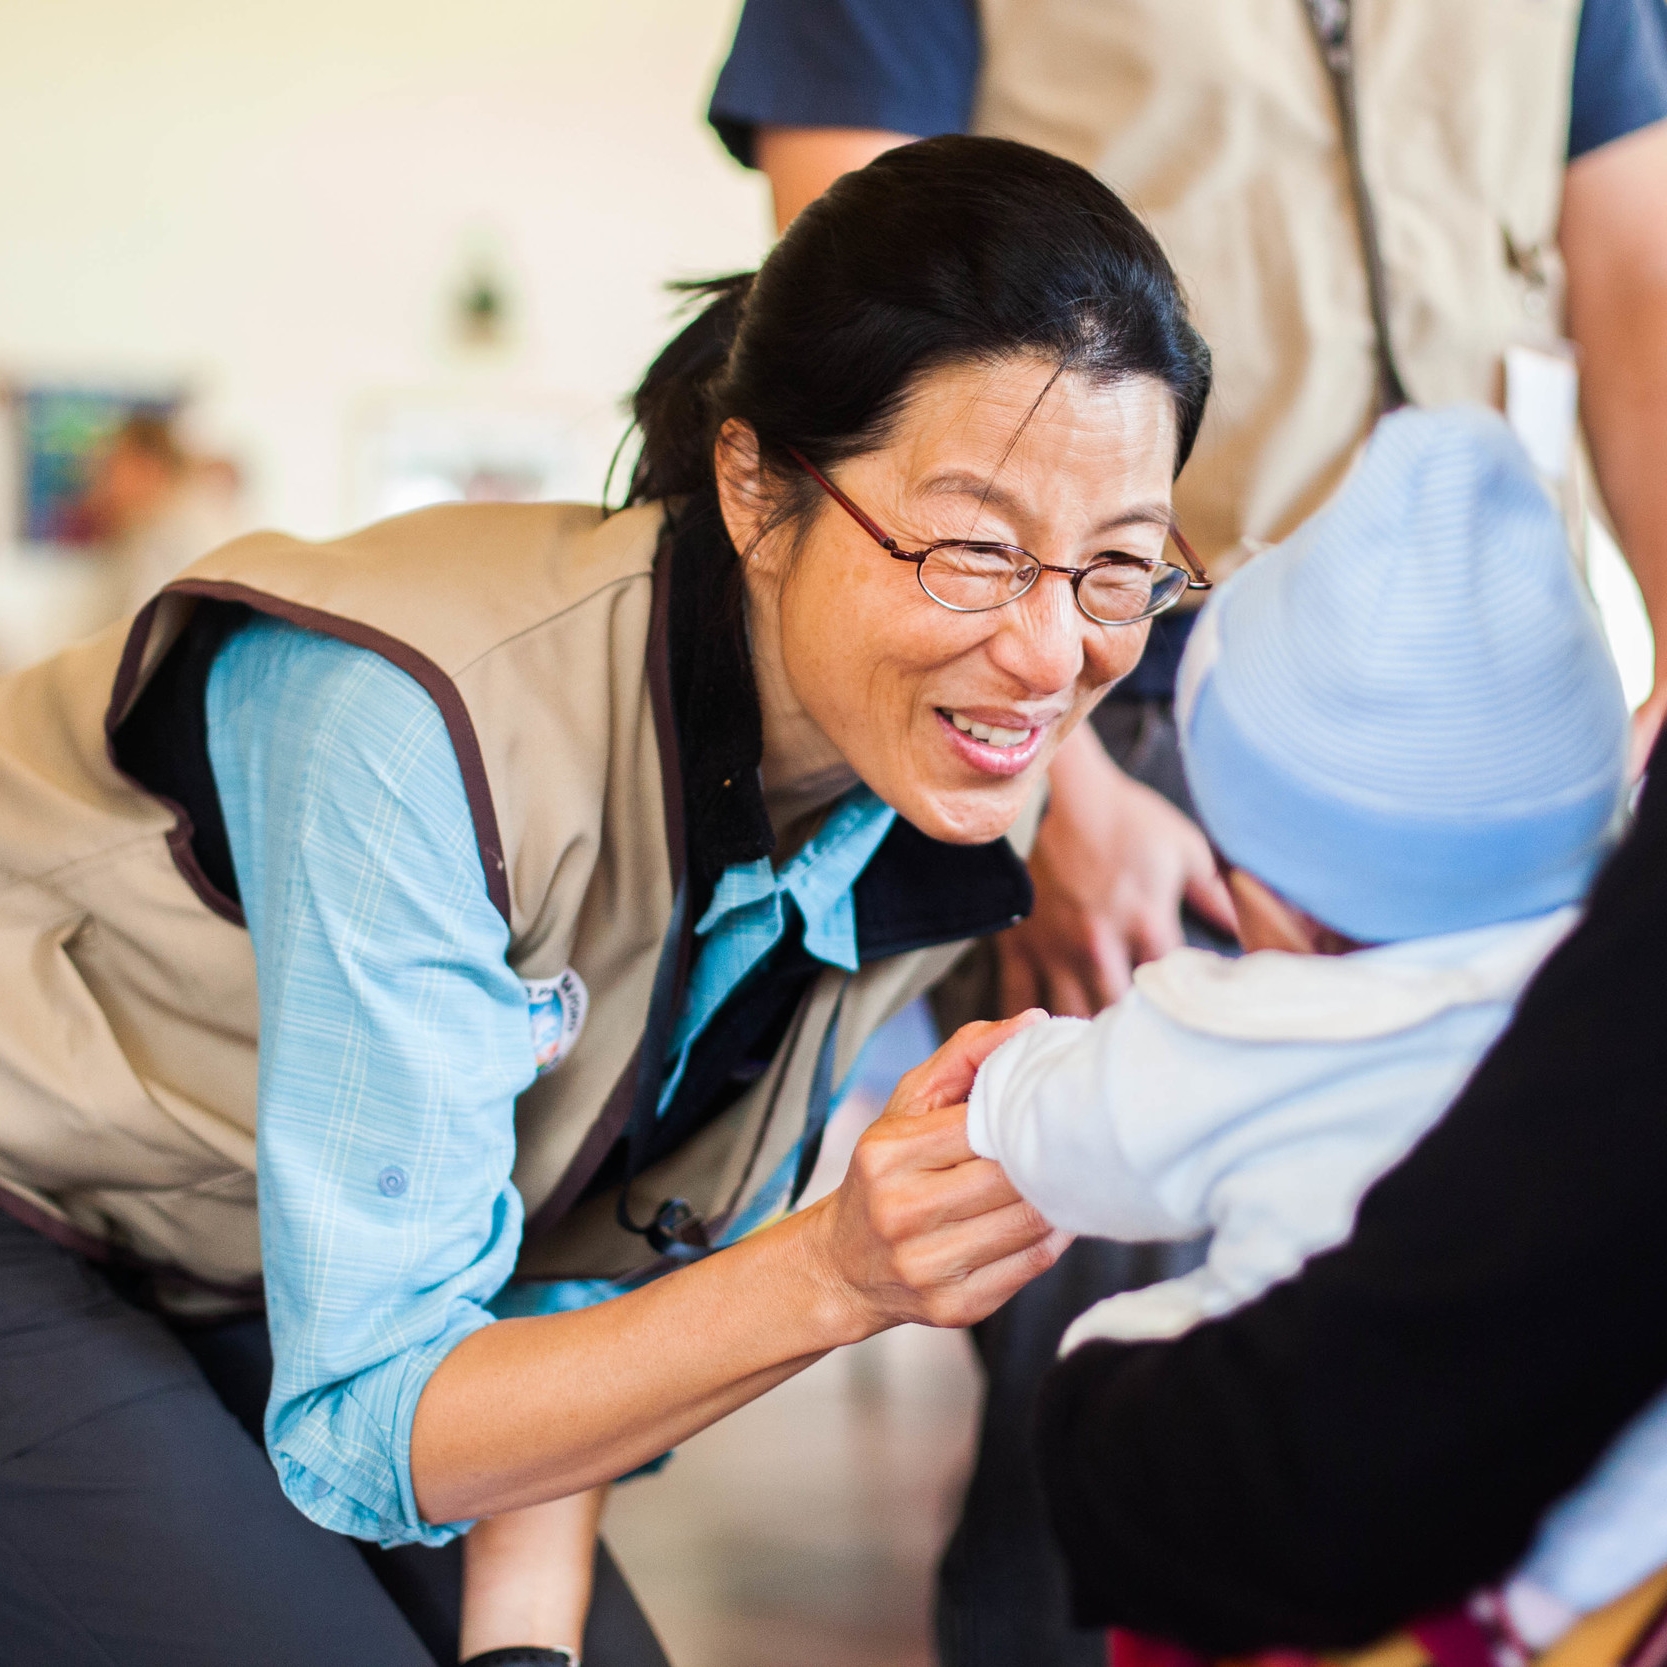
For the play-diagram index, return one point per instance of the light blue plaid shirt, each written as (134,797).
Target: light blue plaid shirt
(395,1038)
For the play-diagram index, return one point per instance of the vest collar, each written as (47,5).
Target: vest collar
(915,891)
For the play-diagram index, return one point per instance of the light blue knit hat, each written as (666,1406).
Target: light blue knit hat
(1404,719)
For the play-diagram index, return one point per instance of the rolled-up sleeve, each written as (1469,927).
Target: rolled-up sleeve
(394,1041)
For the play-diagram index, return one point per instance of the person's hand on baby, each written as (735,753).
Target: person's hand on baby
(922,1229)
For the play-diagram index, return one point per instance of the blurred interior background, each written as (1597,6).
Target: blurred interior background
(310,264)
(361,255)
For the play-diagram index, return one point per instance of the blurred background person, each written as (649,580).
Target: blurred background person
(1369,204)
(154,506)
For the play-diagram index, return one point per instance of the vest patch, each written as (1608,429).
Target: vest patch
(556,1009)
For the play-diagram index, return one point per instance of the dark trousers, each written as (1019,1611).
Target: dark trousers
(141,1524)
(1002,1593)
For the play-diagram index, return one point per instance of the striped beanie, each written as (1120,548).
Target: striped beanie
(1404,719)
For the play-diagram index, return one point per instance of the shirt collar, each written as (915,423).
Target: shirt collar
(818,877)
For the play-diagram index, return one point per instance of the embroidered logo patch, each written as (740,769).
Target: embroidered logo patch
(556,1008)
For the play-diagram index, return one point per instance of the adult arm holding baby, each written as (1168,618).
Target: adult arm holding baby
(1393,1428)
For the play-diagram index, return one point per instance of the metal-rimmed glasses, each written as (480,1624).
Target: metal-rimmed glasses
(972,577)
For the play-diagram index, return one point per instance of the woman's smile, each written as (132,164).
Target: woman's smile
(993,748)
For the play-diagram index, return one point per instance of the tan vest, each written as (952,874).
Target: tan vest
(1216,121)
(128,1015)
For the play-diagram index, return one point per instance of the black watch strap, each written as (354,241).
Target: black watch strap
(523,1655)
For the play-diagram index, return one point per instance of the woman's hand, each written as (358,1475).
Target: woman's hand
(528,1410)
(1112,864)
(922,1229)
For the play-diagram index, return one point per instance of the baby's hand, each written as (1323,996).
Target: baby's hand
(922,1229)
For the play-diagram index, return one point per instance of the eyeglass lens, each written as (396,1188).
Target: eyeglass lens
(976,577)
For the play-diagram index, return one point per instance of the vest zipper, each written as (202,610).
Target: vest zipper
(1332,22)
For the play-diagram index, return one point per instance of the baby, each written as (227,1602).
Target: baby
(1405,737)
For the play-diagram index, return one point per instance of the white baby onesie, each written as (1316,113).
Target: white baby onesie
(1258,1098)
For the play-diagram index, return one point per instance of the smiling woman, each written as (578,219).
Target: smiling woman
(556,866)
(960,703)
(984,348)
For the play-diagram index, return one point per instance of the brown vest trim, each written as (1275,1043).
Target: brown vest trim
(665,718)
(610,1125)
(440,689)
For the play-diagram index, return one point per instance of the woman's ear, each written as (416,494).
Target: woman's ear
(743,494)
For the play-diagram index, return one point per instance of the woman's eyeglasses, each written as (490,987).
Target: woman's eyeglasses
(972,578)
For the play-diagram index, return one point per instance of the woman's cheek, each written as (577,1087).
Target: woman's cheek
(1110,653)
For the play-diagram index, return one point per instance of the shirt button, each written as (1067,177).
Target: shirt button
(392,1181)
(320,1487)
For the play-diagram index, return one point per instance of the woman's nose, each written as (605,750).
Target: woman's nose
(1042,640)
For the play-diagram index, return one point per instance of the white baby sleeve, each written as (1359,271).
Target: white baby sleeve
(1043,1107)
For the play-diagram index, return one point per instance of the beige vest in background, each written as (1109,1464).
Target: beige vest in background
(128,1012)
(1215,120)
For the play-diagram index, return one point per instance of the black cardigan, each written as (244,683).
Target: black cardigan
(1378,1437)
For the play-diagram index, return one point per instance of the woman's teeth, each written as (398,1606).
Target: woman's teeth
(988,732)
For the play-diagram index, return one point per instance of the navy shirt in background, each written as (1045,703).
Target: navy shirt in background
(911,66)
(904,66)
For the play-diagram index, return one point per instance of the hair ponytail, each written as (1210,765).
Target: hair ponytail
(674,405)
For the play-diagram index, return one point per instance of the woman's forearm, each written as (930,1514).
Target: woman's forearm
(529,1410)
(921,1229)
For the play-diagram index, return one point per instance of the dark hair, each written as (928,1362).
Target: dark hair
(951,251)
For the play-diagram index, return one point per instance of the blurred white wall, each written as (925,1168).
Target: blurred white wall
(279,203)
